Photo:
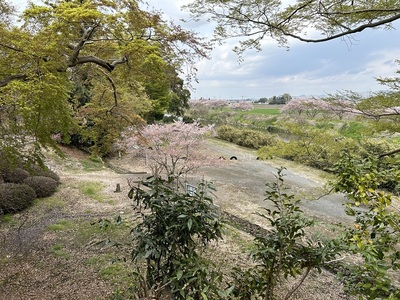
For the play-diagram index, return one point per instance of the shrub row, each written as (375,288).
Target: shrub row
(20,186)
(322,149)
(245,137)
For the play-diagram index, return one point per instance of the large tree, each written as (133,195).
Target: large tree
(53,44)
(304,20)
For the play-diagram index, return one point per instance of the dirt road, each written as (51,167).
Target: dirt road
(241,184)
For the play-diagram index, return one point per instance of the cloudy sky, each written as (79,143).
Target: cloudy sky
(306,69)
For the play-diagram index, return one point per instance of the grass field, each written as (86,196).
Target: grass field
(265,109)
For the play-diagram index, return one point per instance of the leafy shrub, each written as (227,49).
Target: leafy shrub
(171,235)
(245,137)
(354,130)
(16,175)
(227,133)
(313,147)
(375,146)
(15,197)
(375,236)
(286,251)
(43,186)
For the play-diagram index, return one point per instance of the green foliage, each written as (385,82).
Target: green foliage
(159,93)
(375,236)
(355,130)
(282,99)
(15,197)
(375,146)
(102,117)
(179,97)
(80,68)
(286,251)
(43,186)
(169,236)
(321,147)
(314,147)
(245,137)
(17,170)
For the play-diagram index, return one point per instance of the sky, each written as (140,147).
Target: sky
(303,70)
(306,69)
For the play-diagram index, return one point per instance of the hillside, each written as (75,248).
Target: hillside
(59,249)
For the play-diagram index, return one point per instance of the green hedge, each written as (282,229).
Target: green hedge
(245,137)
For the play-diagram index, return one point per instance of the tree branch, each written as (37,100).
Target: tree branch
(111,81)
(389,153)
(341,34)
(294,289)
(87,33)
(7,80)
(98,61)
(11,47)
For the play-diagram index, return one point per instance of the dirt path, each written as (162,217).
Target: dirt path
(241,183)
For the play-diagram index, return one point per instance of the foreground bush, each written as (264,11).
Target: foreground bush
(15,197)
(43,186)
(287,251)
(171,237)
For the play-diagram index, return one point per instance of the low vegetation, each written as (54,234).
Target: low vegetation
(15,197)
(42,185)
(20,185)
(245,137)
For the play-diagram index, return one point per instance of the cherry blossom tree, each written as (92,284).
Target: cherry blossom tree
(376,106)
(171,149)
(339,107)
(241,105)
(209,104)
(311,107)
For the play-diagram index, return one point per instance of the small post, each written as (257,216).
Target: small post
(118,188)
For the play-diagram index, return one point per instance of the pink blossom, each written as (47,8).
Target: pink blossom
(241,105)
(170,149)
